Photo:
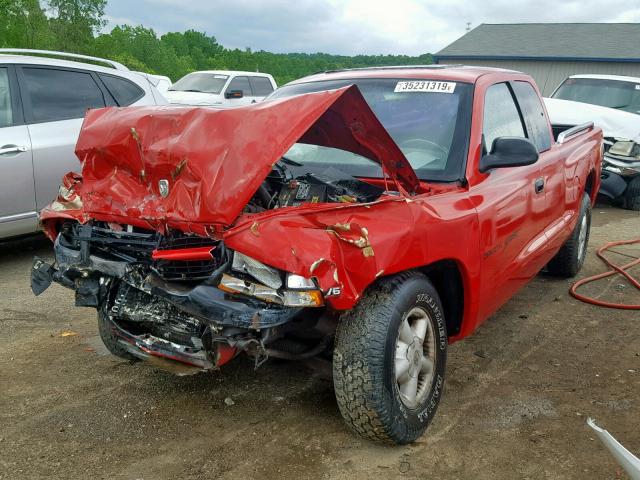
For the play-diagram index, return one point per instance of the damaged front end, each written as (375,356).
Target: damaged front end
(174,296)
(621,164)
(193,251)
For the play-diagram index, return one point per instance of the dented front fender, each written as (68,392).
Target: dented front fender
(345,247)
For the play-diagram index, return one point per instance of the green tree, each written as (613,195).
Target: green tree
(75,25)
(75,22)
(23,24)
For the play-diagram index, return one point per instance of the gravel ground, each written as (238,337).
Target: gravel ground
(517,396)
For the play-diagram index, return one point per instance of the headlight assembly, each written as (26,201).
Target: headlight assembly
(297,282)
(264,274)
(299,291)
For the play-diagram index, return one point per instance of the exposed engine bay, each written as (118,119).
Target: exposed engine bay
(286,186)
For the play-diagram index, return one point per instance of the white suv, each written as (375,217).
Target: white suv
(42,105)
(221,88)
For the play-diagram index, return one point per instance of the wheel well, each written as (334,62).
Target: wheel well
(447,280)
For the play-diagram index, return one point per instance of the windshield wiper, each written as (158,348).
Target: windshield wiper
(191,90)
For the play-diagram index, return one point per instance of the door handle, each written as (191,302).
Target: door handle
(5,149)
(539,185)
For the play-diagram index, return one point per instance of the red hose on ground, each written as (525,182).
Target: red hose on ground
(614,269)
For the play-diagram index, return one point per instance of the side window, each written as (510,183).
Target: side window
(6,112)
(122,90)
(240,83)
(261,86)
(533,113)
(60,94)
(501,117)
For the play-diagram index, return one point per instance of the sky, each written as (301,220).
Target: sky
(350,27)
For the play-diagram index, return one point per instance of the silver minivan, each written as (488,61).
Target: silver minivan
(42,105)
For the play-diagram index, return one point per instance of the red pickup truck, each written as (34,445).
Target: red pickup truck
(366,218)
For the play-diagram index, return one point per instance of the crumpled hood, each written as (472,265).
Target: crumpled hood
(213,161)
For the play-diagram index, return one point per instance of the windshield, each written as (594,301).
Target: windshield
(606,93)
(200,82)
(428,120)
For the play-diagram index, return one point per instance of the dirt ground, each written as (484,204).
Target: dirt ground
(517,396)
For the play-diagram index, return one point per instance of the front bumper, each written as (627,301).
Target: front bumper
(626,167)
(89,276)
(146,346)
(612,184)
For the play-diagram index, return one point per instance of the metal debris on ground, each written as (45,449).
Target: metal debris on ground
(68,333)
(624,457)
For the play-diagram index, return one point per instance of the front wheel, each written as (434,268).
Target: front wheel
(389,360)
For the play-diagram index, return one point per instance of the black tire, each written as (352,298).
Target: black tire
(364,360)
(570,258)
(110,340)
(632,195)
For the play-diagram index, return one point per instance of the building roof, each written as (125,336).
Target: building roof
(603,42)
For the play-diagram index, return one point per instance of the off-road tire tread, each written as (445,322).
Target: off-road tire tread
(565,263)
(362,332)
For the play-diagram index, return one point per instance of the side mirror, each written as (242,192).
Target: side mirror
(509,152)
(234,94)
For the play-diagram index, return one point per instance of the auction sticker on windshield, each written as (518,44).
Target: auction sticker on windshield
(425,86)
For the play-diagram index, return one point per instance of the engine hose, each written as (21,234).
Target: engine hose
(264,196)
(615,269)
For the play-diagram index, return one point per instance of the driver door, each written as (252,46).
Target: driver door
(510,210)
(241,84)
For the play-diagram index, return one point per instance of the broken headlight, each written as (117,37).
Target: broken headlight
(258,270)
(288,298)
(300,291)
(298,282)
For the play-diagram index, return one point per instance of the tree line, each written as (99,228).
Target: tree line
(76,26)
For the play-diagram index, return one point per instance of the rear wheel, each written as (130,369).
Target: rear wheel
(389,360)
(569,260)
(632,194)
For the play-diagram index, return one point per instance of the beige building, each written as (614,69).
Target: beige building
(550,52)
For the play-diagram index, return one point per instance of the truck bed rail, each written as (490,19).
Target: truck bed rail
(573,131)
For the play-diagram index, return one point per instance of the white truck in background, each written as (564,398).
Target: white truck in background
(612,102)
(221,88)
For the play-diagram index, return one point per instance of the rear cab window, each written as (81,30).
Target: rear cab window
(52,94)
(122,90)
